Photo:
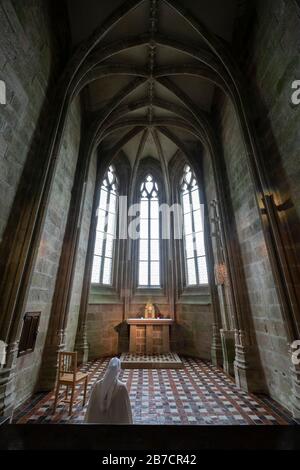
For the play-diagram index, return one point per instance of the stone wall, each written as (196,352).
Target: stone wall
(44,275)
(28,65)
(192,334)
(108,335)
(269,56)
(137,308)
(272,61)
(260,299)
(269,49)
(103,339)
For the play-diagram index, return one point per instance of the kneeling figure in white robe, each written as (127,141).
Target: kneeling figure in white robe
(109,401)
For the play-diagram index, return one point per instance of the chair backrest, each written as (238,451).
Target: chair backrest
(67,363)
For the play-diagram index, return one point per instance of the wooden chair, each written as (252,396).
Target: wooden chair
(69,377)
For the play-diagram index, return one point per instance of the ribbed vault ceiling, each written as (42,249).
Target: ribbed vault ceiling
(145,65)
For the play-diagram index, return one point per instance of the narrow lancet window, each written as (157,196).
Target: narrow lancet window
(106,229)
(194,247)
(149,242)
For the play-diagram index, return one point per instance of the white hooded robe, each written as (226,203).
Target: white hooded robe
(109,401)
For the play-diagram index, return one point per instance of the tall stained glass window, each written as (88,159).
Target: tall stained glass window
(149,256)
(106,229)
(194,247)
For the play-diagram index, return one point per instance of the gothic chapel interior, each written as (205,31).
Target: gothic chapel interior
(149,208)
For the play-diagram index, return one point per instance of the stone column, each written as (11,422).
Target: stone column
(216,346)
(7,380)
(55,344)
(81,344)
(295,376)
(247,371)
(228,348)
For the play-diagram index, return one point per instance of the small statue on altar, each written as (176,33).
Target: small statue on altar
(149,310)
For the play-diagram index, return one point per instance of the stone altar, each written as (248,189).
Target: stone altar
(149,335)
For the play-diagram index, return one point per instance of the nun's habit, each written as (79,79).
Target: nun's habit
(109,401)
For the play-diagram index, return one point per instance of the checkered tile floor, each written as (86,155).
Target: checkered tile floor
(199,394)
(168,357)
(151,361)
